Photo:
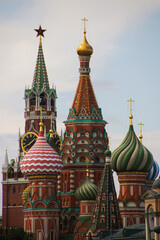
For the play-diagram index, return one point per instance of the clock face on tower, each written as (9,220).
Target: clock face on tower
(57,141)
(28,140)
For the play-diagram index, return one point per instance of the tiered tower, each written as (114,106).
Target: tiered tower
(41,165)
(106,214)
(40,95)
(84,138)
(131,160)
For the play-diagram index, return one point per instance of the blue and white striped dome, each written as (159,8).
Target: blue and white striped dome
(153,172)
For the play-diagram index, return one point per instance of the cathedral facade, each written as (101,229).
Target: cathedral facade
(47,187)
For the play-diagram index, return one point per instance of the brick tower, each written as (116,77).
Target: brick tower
(131,160)
(41,165)
(13,182)
(40,95)
(84,138)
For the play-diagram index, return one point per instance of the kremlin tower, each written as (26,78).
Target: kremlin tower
(84,138)
(39,96)
(41,165)
(132,161)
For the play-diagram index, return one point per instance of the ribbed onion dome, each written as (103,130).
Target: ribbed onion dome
(153,172)
(107,153)
(87,190)
(41,159)
(84,48)
(131,155)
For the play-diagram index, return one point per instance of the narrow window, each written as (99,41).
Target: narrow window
(131,190)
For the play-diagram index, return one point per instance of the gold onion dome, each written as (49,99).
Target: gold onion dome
(84,48)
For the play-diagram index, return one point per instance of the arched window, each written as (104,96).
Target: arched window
(150,216)
(43,100)
(32,102)
(14,189)
(73,222)
(65,186)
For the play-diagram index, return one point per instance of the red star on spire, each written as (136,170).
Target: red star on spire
(40,31)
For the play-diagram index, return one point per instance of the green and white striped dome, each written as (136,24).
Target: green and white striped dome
(131,155)
(87,190)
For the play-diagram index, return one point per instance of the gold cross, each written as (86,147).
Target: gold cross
(140,136)
(84,19)
(131,101)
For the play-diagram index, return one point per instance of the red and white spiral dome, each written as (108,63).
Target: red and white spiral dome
(41,159)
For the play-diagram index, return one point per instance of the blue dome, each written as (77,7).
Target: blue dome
(153,172)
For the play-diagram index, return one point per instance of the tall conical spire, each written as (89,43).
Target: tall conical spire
(85,105)
(106,207)
(40,79)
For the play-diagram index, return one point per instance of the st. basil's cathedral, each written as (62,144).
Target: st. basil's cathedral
(64,185)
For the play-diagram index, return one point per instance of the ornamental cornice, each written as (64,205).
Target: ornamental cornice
(42,177)
(132,173)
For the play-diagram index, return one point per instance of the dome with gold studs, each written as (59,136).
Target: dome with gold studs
(84,48)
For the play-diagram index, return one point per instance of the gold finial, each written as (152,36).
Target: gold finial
(87,170)
(84,49)
(41,123)
(51,130)
(130,116)
(84,19)
(140,136)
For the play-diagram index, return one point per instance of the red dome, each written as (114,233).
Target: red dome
(41,159)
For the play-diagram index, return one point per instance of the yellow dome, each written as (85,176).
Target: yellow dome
(84,48)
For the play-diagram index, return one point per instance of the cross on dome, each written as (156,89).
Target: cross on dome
(131,116)
(140,136)
(84,19)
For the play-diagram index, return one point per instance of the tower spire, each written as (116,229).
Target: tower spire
(85,105)
(40,79)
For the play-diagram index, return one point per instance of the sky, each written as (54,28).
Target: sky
(125,36)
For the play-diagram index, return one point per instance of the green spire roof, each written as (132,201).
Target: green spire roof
(40,79)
